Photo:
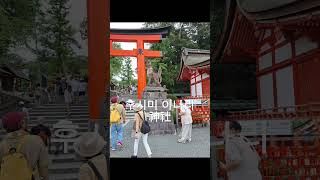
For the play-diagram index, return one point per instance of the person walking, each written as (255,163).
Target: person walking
(68,99)
(75,84)
(123,104)
(64,84)
(186,120)
(24,109)
(90,147)
(43,132)
(38,94)
(242,160)
(82,88)
(22,156)
(58,89)
(117,119)
(139,118)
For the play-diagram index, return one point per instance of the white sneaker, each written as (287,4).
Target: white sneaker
(181,141)
(189,140)
(150,156)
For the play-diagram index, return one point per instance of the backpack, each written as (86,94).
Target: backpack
(145,127)
(14,164)
(95,170)
(115,116)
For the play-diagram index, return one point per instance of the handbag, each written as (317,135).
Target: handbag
(145,127)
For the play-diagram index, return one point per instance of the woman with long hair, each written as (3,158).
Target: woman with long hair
(139,118)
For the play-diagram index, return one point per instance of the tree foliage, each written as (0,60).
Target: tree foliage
(115,64)
(127,75)
(45,31)
(16,22)
(59,34)
(189,35)
(217,18)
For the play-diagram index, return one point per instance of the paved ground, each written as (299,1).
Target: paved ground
(166,145)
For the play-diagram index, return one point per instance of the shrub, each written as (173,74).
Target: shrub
(172,97)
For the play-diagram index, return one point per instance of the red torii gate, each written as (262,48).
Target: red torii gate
(139,36)
(98,54)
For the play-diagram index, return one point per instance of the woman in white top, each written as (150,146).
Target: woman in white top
(186,120)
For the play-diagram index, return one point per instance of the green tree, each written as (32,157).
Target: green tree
(58,39)
(189,35)
(127,74)
(115,64)
(16,23)
(84,29)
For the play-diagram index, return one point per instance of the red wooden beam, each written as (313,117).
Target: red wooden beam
(154,54)
(98,54)
(117,52)
(134,53)
(134,38)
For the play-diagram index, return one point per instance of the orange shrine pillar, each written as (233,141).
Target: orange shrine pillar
(98,54)
(142,80)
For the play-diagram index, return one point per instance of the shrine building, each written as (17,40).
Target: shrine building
(195,67)
(276,46)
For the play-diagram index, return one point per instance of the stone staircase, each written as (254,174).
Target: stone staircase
(63,166)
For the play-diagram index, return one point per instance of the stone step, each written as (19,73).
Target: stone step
(64,158)
(61,168)
(59,104)
(59,109)
(80,122)
(64,176)
(53,149)
(79,129)
(51,123)
(63,104)
(61,117)
(56,113)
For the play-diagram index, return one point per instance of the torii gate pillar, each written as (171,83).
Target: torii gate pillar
(141,66)
(98,54)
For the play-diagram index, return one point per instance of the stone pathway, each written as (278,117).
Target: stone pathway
(166,146)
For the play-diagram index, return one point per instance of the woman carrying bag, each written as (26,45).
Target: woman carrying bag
(140,130)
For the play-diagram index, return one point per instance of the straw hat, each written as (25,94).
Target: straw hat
(89,144)
(137,107)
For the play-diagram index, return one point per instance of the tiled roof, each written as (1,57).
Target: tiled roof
(193,59)
(14,71)
(164,31)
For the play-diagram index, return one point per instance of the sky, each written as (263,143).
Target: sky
(128,46)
